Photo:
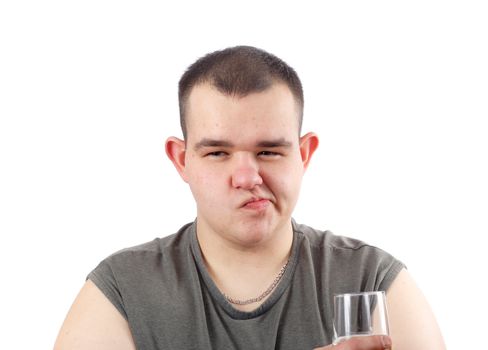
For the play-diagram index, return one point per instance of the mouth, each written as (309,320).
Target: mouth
(257,204)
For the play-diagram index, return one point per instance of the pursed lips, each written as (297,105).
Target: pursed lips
(256,203)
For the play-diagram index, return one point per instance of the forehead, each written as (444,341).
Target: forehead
(272,113)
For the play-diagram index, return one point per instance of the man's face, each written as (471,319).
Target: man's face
(243,161)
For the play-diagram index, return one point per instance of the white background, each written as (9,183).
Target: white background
(397,92)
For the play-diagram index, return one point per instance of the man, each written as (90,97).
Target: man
(244,275)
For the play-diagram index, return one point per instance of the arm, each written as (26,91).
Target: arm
(94,323)
(412,323)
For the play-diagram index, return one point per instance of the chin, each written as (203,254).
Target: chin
(251,241)
(255,233)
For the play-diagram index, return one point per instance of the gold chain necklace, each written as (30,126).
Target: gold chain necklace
(263,295)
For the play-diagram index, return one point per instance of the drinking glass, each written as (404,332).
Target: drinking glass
(360,314)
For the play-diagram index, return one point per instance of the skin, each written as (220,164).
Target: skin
(259,156)
(243,149)
(244,163)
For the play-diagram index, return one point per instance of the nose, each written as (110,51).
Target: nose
(246,173)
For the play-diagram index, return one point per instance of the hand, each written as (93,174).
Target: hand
(374,342)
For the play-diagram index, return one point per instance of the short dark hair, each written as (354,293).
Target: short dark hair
(239,71)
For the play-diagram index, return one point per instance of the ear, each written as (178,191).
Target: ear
(176,152)
(308,145)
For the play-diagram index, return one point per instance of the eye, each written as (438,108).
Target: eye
(216,154)
(268,154)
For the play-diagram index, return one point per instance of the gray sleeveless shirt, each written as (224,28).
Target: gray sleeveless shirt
(164,291)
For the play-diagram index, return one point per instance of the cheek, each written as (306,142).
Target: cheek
(285,182)
(205,185)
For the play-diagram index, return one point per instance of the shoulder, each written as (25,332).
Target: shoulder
(129,267)
(345,256)
(158,248)
(134,273)
(325,239)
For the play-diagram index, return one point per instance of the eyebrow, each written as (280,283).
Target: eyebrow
(206,142)
(275,143)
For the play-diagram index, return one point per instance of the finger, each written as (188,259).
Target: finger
(375,342)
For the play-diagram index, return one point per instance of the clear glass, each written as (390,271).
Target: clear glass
(360,314)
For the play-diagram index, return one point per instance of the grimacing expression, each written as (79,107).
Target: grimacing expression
(244,160)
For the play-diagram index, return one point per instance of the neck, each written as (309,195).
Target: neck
(244,271)
(218,249)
